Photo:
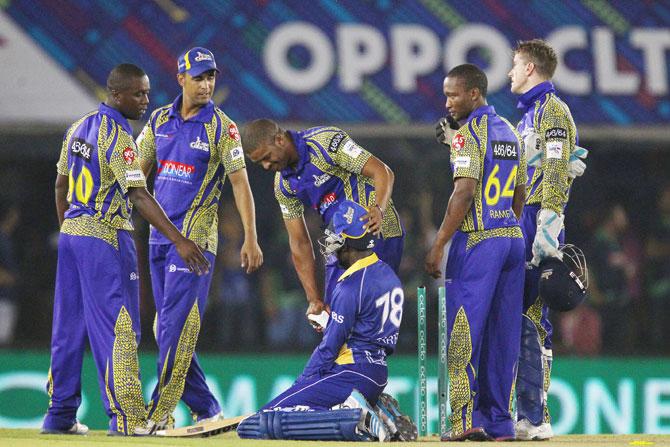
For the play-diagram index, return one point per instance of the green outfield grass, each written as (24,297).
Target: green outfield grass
(30,438)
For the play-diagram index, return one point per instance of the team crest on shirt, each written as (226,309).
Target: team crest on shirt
(233,132)
(199,145)
(458,142)
(129,155)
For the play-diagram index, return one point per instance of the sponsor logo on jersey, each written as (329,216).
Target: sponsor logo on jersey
(129,155)
(173,268)
(554,149)
(320,179)
(175,170)
(202,57)
(337,317)
(236,153)
(134,175)
(505,150)
(458,142)
(81,149)
(352,149)
(327,201)
(233,132)
(462,161)
(199,145)
(336,141)
(134,276)
(556,132)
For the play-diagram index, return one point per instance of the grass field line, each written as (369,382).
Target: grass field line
(31,437)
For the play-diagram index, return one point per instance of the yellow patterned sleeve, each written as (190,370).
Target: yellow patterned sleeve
(125,164)
(146,144)
(557,131)
(230,146)
(61,166)
(522,170)
(465,154)
(291,207)
(346,153)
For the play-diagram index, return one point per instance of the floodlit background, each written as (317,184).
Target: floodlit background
(375,68)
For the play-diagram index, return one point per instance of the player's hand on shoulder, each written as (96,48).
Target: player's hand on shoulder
(193,257)
(251,256)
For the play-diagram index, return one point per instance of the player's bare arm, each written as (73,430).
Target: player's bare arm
(302,253)
(250,254)
(61,188)
(458,206)
(383,177)
(154,214)
(518,200)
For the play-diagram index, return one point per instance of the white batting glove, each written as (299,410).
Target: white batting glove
(533,145)
(545,245)
(576,165)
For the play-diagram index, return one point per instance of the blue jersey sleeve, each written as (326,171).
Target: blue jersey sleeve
(343,310)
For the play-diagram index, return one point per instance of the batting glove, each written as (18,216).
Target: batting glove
(545,245)
(445,130)
(533,145)
(576,165)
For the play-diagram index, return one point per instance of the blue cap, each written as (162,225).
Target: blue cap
(196,61)
(347,224)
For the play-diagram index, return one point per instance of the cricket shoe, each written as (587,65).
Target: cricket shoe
(371,424)
(77,429)
(217,417)
(474,434)
(401,427)
(526,431)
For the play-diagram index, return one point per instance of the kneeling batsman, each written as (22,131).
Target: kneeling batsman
(338,396)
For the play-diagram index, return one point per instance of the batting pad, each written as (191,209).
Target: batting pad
(328,425)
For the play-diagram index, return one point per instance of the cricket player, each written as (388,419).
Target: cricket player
(485,266)
(195,146)
(349,365)
(97,287)
(554,160)
(319,168)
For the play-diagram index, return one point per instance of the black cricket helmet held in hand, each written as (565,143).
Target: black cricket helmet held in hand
(563,283)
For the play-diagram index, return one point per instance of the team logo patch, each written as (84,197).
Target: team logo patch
(320,179)
(458,142)
(199,145)
(81,149)
(233,132)
(336,141)
(202,57)
(505,150)
(129,155)
(556,132)
(236,153)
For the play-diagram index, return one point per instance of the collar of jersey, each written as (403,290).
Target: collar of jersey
(527,99)
(358,265)
(303,154)
(204,115)
(116,116)
(481,111)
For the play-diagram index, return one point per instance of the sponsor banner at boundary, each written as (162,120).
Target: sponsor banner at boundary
(592,396)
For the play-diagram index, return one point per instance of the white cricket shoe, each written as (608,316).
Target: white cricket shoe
(217,417)
(77,429)
(525,431)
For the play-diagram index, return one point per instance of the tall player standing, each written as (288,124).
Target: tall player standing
(550,139)
(196,146)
